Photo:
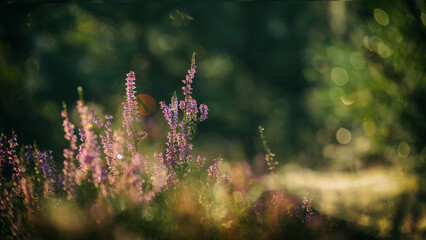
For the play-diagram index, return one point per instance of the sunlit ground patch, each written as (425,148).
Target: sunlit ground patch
(368,198)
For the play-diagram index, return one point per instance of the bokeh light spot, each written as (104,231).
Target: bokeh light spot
(167,42)
(369,127)
(335,93)
(335,54)
(393,34)
(383,50)
(343,136)
(339,76)
(358,60)
(403,150)
(367,44)
(381,17)
(346,100)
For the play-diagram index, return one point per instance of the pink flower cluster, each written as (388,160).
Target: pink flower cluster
(108,162)
(215,173)
(69,135)
(307,204)
(130,113)
(179,146)
(89,151)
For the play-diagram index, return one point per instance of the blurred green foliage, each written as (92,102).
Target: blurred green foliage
(369,79)
(248,63)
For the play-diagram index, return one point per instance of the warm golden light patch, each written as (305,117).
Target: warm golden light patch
(343,136)
(403,150)
(147,105)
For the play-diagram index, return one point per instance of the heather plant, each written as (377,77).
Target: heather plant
(269,157)
(107,187)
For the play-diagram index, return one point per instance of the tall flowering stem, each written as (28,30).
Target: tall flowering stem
(130,113)
(12,187)
(10,164)
(89,152)
(69,134)
(69,170)
(214,172)
(179,146)
(43,161)
(106,137)
(269,157)
(307,206)
(107,141)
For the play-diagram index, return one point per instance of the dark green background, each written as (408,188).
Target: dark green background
(259,63)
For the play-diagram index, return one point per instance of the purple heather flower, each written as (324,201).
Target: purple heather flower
(96,119)
(89,153)
(182,105)
(69,178)
(10,164)
(159,175)
(130,113)
(141,135)
(214,169)
(214,172)
(171,179)
(259,207)
(200,161)
(43,160)
(47,164)
(134,181)
(307,204)
(82,134)
(203,110)
(224,177)
(107,145)
(105,136)
(168,115)
(59,182)
(178,146)
(188,80)
(140,162)
(87,148)
(171,114)
(117,156)
(11,226)
(149,196)
(68,153)
(182,142)
(174,109)
(191,109)
(27,190)
(159,163)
